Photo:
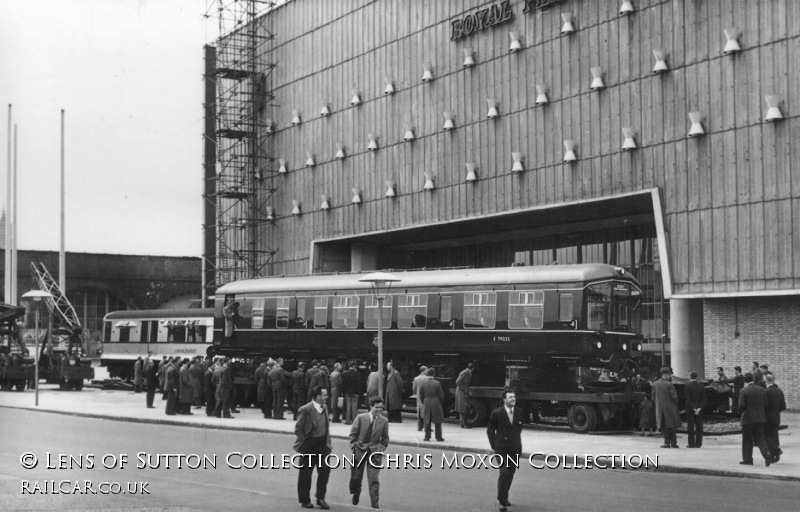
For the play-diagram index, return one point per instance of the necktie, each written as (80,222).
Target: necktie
(369,430)
(510,416)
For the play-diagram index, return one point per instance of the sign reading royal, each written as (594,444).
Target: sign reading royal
(481,19)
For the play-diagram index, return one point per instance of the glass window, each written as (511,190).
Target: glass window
(480,310)
(446,310)
(525,310)
(300,314)
(258,314)
(565,307)
(599,306)
(282,313)
(371,312)
(412,311)
(345,311)
(176,330)
(321,312)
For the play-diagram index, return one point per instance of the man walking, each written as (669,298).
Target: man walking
(753,403)
(667,415)
(462,395)
(505,437)
(369,438)
(775,404)
(314,441)
(694,405)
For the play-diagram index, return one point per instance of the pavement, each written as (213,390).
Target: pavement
(719,456)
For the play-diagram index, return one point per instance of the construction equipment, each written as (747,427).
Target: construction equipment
(16,367)
(60,360)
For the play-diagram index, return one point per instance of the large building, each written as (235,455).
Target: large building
(660,135)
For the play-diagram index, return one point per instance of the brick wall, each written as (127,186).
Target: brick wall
(769,332)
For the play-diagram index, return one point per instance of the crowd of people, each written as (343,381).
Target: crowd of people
(755,398)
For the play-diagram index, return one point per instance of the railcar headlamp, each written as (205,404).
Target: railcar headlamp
(599,344)
(624,346)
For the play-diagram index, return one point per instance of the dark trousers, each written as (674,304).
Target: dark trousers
(266,405)
(506,475)
(186,408)
(670,436)
(420,423)
(317,447)
(151,394)
(462,419)
(438,429)
(753,434)
(223,407)
(694,425)
(771,437)
(395,416)
(172,402)
(357,476)
(278,397)
(299,401)
(211,402)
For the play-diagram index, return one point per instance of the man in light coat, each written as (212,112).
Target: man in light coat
(432,395)
(394,394)
(423,374)
(369,437)
(462,395)
(666,404)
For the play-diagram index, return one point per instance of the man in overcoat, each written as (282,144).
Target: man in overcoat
(277,381)
(753,404)
(423,374)
(694,404)
(262,388)
(299,389)
(394,394)
(186,393)
(336,392)
(224,388)
(313,439)
(505,437)
(432,396)
(369,437)
(463,382)
(667,415)
(351,387)
(138,374)
(173,383)
(776,403)
(151,377)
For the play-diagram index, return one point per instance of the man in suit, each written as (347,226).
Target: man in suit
(224,383)
(753,403)
(313,440)
(775,404)
(505,437)
(432,396)
(277,381)
(351,388)
(299,391)
(151,378)
(694,405)
(668,417)
(758,376)
(738,385)
(369,437)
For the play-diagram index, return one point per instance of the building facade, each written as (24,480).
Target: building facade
(391,134)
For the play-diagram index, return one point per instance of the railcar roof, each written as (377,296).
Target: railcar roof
(500,276)
(160,313)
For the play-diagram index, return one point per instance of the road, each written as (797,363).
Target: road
(89,444)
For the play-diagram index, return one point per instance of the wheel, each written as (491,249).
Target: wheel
(63,385)
(20,385)
(76,384)
(6,385)
(582,418)
(478,413)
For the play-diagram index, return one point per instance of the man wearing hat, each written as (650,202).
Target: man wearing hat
(667,416)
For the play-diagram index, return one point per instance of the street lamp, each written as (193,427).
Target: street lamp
(381,283)
(37,296)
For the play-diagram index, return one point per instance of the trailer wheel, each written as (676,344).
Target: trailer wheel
(77,384)
(478,413)
(582,418)
(21,385)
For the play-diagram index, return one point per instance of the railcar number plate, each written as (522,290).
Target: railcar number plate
(501,339)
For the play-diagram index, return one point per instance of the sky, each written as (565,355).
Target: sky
(129,76)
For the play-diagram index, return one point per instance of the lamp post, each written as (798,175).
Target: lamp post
(37,296)
(381,283)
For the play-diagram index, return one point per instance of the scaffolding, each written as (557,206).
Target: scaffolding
(239,176)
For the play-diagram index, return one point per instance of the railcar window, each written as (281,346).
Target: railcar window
(566,312)
(525,310)
(258,314)
(299,318)
(320,312)
(345,311)
(480,310)
(412,311)
(371,312)
(446,310)
(176,330)
(282,313)
(599,306)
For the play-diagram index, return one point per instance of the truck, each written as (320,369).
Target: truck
(16,365)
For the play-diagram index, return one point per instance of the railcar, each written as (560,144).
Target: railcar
(558,334)
(130,334)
